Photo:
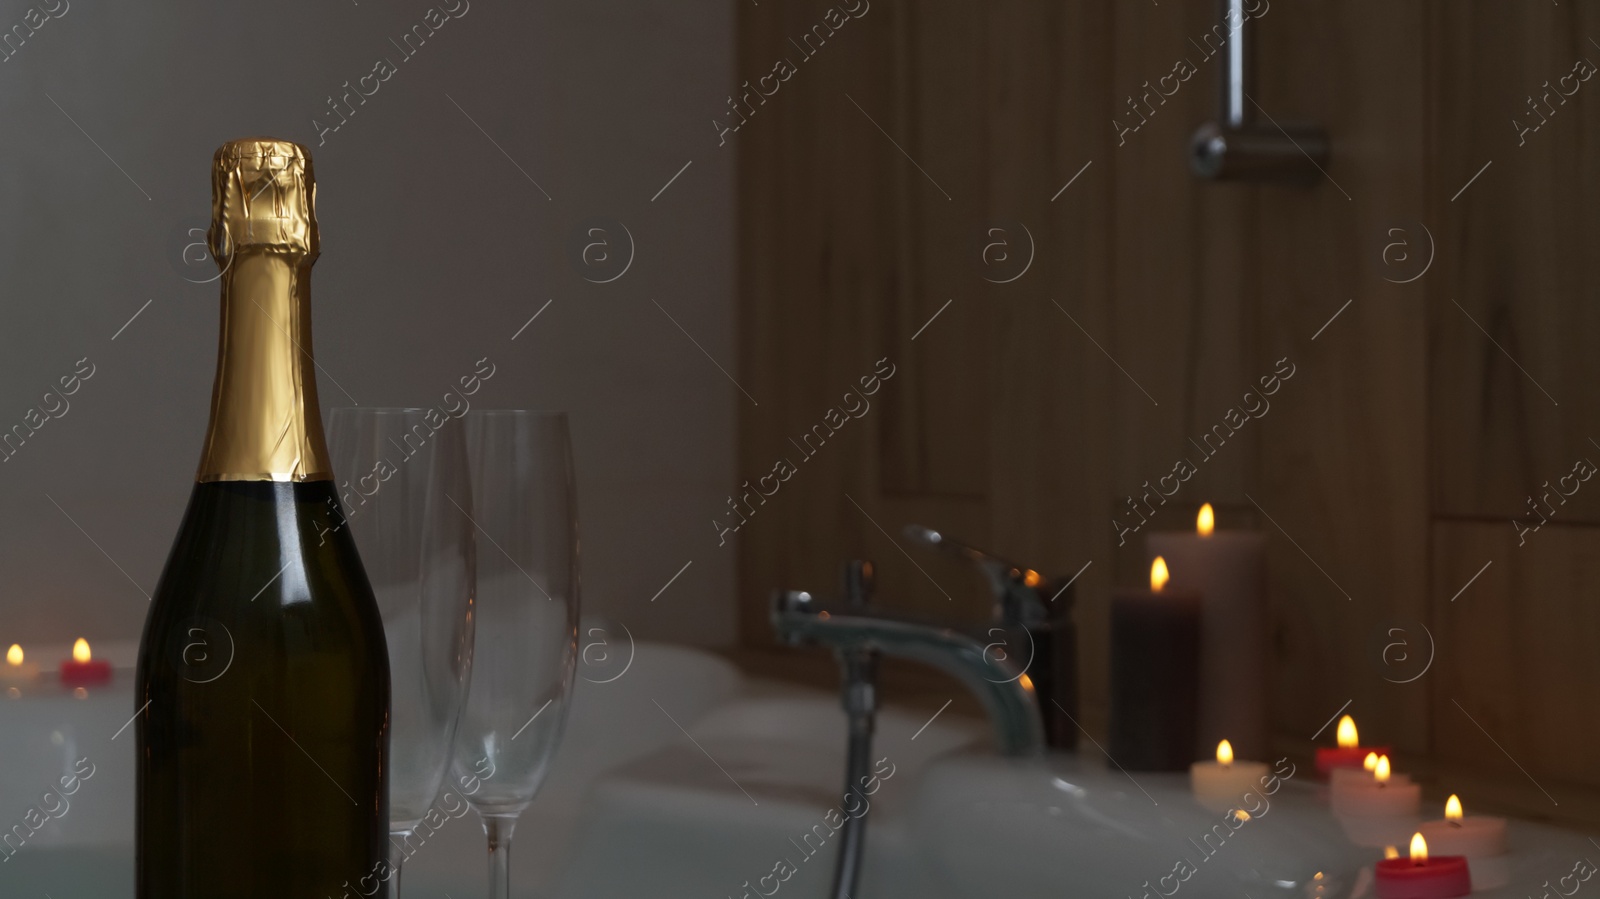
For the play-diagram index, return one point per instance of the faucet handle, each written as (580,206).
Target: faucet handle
(860,582)
(997,569)
(1018,591)
(933,539)
(787,601)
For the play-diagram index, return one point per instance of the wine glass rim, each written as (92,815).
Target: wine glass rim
(531,413)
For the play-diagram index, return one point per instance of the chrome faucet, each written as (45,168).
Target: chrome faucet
(1014,691)
(980,661)
(1037,612)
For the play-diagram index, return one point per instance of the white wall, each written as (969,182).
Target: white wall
(436,249)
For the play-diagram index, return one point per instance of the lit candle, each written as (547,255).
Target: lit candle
(82,670)
(1227,569)
(1349,753)
(1384,795)
(1480,839)
(1155,657)
(1475,837)
(1369,766)
(1421,877)
(17,672)
(1222,784)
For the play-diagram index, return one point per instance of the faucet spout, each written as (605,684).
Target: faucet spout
(1000,684)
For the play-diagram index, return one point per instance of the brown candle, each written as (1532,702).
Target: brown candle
(1155,666)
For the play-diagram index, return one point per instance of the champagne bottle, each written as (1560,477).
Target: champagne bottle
(263,677)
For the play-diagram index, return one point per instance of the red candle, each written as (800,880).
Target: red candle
(1421,877)
(1349,753)
(82,670)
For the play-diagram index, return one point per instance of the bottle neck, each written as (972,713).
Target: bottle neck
(265,423)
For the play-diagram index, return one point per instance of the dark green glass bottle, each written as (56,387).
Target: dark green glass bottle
(263,679)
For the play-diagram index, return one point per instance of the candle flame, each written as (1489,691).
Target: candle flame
(1390,852)
(1241,815)
(14,655)
(1370,762)
(1419,848)
(1452,808)
(1206,521)
(1027,683)
(1158,574)
(1225,752)
(80,650)
(1031,578)
(1381,772)
(1347,733)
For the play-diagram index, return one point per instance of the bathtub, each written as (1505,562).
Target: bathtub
(85,851)
(682,778)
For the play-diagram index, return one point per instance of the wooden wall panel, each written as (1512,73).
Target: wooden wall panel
(1516,663)
(942,186)
(1050,409)
(1515,407)
(851,250)
(1180,320)
(1344,462)
(814,283)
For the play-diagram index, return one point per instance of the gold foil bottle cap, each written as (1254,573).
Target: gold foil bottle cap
(265,424)
(263,194)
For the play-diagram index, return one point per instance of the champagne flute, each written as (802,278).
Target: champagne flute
(523,510)
(396,470)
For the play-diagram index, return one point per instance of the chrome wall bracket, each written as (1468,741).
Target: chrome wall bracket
(1239,146)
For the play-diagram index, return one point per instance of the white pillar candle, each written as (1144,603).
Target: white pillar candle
(1479,836)
(1226,569)
(1489,872)
(1222,784)
(1381,796)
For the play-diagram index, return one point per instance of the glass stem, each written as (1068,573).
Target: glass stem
(498,829)
(397,856)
